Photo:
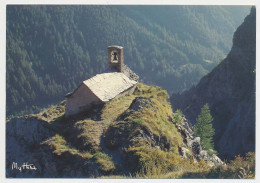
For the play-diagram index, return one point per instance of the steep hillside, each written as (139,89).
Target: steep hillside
(51,49)
(135,135)
(230,92)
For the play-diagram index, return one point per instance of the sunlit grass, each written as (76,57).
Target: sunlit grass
(59,145)
(146,130)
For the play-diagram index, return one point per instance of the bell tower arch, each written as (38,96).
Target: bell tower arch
(115,58)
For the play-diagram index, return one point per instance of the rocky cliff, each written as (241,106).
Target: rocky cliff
(132,135)
(230,92)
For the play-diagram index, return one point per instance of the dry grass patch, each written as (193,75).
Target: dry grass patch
(114,108)
(104,162)
(87,134)
(59,146)
(52,113)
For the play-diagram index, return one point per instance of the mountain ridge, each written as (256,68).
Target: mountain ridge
(228,89)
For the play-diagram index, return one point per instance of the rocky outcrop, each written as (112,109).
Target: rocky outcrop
(230,92)
(140,102)
(23,139)
(51,146)
(193,147)
(26,156)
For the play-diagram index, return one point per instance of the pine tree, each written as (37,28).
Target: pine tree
(203,128)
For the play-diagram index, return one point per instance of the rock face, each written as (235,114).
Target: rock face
(230,92)
(22,145)
(193,147)
(140,102)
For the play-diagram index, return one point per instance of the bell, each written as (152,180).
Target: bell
(115,56)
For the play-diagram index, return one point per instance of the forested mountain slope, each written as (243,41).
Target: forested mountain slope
(230,92)
(51,49)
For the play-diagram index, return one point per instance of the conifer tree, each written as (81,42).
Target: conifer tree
(203,128)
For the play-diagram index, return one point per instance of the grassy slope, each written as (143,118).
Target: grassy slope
(122,143)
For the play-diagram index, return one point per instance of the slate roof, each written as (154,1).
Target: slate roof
(107,86)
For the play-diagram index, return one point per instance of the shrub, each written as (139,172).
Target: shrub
(138,121)
(250,158)
(178,117)
(244,167)
(105,163)
(238,162)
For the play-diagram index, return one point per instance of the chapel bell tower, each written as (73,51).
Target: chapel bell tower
(115,57)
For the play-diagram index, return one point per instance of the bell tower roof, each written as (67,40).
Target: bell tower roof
(115,46)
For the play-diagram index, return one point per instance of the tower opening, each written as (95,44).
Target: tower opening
(115,58)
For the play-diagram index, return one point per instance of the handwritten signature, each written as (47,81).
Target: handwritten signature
(24,166)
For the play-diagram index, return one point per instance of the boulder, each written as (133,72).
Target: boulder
(140,102)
